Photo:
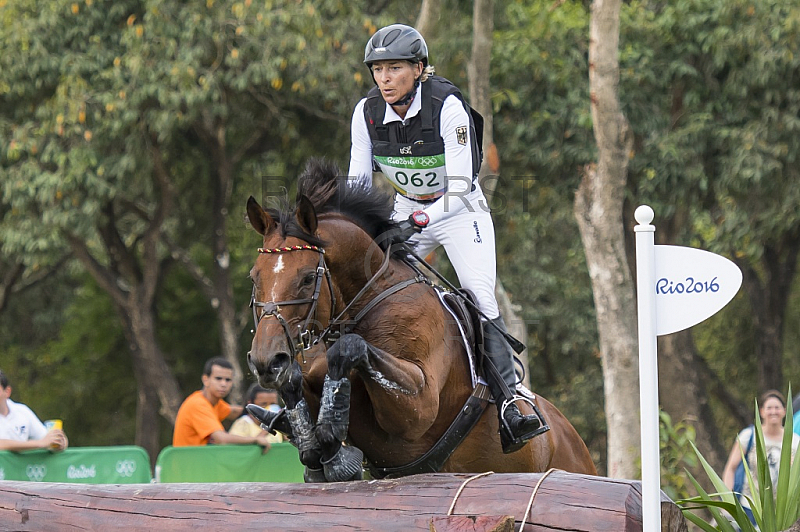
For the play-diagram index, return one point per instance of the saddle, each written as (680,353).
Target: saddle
(468,319)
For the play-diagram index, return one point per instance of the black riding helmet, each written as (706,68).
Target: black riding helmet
(397,41)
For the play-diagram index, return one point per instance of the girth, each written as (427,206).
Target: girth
(433,460)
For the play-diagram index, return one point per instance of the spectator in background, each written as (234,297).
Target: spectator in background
(247,425)
(20,429)
(796,410)
(199,420)
(772,410)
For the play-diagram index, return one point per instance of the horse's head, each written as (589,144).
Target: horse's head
(292,292)
(314,256)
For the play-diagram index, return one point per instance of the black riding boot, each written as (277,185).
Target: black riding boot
(515,428)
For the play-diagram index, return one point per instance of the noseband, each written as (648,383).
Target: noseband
(304,340)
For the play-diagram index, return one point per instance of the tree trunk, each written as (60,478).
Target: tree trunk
(10,276)
(148,356)
(598,209)
(478,71)
(157,388)
(768,300)
(131,274)
(222,299)
(543,502)
(678,369)
(429,14)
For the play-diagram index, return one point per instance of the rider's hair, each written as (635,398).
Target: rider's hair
(3,380)
(427,72)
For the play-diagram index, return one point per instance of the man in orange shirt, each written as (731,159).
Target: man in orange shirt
(199,420)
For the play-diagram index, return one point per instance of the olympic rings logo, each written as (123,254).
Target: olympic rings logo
(427,161)
(126,468)
(36,472)
(411,161)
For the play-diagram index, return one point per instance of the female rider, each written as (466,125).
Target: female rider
(417,130)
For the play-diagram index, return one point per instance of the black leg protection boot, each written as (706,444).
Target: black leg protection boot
(515,428)
(306,441)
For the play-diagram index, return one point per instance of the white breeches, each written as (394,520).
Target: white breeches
(468,240)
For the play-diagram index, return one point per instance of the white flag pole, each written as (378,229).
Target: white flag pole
(648,369)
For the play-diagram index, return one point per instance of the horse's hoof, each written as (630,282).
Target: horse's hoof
(344,465)
(314,475)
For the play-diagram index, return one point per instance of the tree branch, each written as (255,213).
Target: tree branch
(9,281)
(197,273)
(103,276)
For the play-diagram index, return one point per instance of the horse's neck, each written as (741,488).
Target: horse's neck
(356,260)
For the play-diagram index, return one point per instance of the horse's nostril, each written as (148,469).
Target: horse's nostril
(280,361)
(250,364)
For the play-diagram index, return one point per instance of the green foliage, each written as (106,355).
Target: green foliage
(542,119)
(707,85)
(676,442)
(81,374)
(774,511)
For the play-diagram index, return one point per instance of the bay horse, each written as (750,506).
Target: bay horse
(366,358)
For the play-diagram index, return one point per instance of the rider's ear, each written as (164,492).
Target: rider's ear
(258,218)
(306,215)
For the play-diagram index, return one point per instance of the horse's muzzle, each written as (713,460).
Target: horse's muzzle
(272,371)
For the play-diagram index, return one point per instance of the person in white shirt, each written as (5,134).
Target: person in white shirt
(20,429)
(247,424)
(772,410)
(417,130)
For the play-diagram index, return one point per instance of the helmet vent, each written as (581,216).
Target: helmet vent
(390,37)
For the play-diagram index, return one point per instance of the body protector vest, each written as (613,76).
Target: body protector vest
(411,156)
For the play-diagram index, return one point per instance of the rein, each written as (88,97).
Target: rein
(305,339)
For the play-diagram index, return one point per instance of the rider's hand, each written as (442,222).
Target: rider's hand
(405,229)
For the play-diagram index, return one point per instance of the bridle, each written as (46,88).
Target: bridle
(304,340)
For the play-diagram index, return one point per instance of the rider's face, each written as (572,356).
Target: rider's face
(395,79)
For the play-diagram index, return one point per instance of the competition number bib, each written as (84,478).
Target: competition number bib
(420,178)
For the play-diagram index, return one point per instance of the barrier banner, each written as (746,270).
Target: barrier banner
(229,463)
(125,464)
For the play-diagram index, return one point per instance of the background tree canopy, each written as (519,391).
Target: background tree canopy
(133,132)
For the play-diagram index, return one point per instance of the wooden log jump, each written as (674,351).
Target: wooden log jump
(441,502)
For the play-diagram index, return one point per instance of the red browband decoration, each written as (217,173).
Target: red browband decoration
(292,248)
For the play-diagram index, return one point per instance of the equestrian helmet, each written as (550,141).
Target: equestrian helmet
(397,41)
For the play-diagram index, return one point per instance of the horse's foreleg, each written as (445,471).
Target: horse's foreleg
(299,418)
(339,462)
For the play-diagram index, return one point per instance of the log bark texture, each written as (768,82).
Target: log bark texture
(562,502)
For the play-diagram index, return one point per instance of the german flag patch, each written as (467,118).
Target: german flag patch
(461,135)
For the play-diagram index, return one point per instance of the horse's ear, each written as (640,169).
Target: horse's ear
(258,217)
(306,215)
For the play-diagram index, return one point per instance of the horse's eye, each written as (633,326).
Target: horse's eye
(308,279)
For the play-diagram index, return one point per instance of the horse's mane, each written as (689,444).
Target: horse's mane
(330,192)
